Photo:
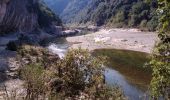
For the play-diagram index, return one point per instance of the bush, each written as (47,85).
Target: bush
(81,71)
(78,75)
(33,76)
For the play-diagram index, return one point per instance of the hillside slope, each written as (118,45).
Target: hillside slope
(117,13)
(57,5)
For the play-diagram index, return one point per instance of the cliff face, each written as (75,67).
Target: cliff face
(25,16)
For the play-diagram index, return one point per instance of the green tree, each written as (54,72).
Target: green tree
(77,75)
(34,81)
(82,74)
(160,63)
(138,13)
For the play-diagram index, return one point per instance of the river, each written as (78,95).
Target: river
(113,77)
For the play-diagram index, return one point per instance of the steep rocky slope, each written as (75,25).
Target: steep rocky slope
(25,16)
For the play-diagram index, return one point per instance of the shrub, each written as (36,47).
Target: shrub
(78,75)
(33,76)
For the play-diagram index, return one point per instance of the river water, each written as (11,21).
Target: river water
(133,92)
(114,77)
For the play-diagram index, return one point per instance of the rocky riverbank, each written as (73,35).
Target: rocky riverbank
(129,39)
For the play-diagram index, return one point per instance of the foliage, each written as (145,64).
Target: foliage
(119,13)
(160,63)
(118,19)
(82,70)
(78,75)
(34,81)
(32,54)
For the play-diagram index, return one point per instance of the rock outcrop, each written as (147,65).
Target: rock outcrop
(26,16)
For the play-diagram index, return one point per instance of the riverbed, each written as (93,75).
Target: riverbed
(134,90)
(112,39)
(127,39)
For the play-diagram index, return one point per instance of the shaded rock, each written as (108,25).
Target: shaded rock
(25,16)
(136,42)
(17,17)
(4,56)
(124,40)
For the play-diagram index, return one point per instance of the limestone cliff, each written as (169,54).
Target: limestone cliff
(26,16)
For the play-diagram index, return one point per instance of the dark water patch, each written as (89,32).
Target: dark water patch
(129,64)
(113,77)
(47,42)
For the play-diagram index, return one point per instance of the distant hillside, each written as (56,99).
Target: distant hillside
(75,10)
(117,13)
(57,5)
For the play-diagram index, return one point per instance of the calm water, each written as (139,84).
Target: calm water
(114,77)
(131,90)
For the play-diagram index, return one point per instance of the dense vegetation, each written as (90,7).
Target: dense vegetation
(160,63)
(118,13)
(77,76)
(136,14)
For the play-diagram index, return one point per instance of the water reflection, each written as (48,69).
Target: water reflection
(114,77)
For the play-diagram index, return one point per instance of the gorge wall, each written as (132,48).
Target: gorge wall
(26,16)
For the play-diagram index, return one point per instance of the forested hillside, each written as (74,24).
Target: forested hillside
(75,11)
(117,13)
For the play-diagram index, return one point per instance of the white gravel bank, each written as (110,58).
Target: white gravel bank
(129,39)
